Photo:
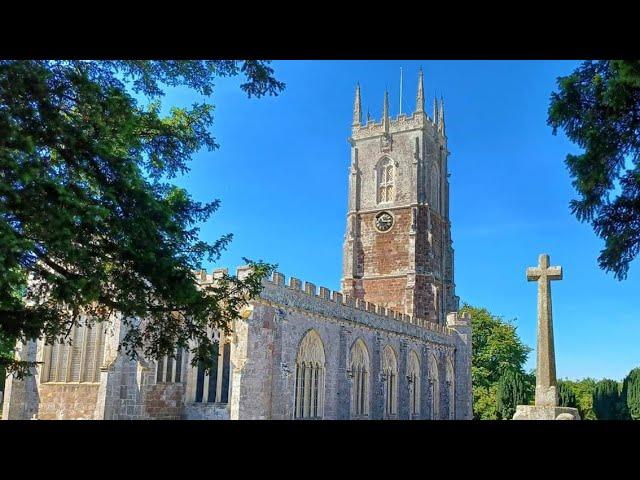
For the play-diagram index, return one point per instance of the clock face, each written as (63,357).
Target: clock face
(384,221)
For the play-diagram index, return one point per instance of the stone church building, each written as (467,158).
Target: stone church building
(390,345)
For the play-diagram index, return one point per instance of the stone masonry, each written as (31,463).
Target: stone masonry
(546,398)
(389,345)
(279,319)
(408,267)
(264,346)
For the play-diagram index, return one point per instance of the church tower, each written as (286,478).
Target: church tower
(397,250)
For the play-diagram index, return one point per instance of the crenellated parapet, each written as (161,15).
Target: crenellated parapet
(402,123)
(324,301)
(332,297)
(203,277)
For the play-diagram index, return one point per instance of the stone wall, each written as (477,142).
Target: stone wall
(68,401)
(29,398)
(127,389)
(264,349)
(252,349)
(408,268)
(206,411)
(130,390)
(385,253)
(133,394)
(266,343)
(164,401)
(21,397)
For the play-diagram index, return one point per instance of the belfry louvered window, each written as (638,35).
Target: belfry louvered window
(435,188)
(78,360)
(385,177)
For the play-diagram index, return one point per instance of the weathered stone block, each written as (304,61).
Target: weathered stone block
(278,278)
(537,412)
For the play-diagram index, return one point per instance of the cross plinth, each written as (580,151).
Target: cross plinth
(546,394)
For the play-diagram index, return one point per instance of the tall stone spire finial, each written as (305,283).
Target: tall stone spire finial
(435,110)
(357,109)
(441,119)
(420,95)
(385,112)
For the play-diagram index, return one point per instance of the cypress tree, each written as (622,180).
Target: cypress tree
(566,395)
(512,391)
(606,400)
(631,394)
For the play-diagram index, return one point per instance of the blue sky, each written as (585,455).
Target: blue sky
(281,174)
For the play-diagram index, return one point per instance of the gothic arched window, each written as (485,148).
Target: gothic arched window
(413,376)
(213,387)
(169,368)
(359,367)
(450,380)
(435,188)
(434,383)
(309,386)
(78,361)
(385,174)
(390,372)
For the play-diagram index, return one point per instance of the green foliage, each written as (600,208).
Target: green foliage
(584,396)
(513,390)
(630,395)
(6,351)
(598,107)
(606,400)
(566,395)
(86,211)
(583,390)
(530,386)
(496,346)
(496,349)
(485,402)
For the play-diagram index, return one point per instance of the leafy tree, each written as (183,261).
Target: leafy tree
(89,223)
(598,107)
(6,350)
(496,348)
(485,402)
(630,395)
(530,386)
(583,390)
(606,400)
(566,395)
(512,391)
(584,396)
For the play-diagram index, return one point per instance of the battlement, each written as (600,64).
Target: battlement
(331,297)
(203,277)
(310,289)
(401,123)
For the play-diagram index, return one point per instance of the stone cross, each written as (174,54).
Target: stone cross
(546,394)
